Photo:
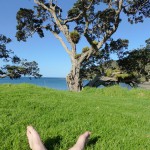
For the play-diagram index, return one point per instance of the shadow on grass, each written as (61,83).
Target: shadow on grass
(52,143)
(93,141)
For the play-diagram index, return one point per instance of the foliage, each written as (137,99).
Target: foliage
(101,61)
(119,46)
(132,66)
(138,61)
(75,36)
(85,49)
(108,72)
(77,56)
(94,42)
(117,117)
(122,76)
(16,67)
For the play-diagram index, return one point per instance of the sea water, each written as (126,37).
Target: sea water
(55,83)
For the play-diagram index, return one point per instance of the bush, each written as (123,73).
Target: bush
(108,72)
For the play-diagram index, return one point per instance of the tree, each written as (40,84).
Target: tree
(16,67)
(95,23)
(137,63)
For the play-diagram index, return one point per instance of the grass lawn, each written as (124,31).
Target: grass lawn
(119,119)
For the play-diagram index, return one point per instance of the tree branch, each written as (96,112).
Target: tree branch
(3,76)
(72,19)
(31,33)
(109,33)
(136,9)
(62,42)
(85,55)
(77,17)
(41,4)
(63,28)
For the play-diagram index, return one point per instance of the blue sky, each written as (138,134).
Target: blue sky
(47,52)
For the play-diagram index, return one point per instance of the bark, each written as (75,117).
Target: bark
(73,79)
(3,76)
(102,80)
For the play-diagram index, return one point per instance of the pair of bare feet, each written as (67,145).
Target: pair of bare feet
(35,142)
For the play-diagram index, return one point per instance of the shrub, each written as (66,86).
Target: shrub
(108,72)
(142,79)
(122,76)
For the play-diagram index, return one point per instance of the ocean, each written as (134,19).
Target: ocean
(55,83)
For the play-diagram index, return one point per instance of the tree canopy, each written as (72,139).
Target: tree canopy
(137,63)
(15,67)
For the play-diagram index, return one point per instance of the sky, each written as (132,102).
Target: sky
(47,52)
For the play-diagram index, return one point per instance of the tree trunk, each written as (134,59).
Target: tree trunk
(73,79)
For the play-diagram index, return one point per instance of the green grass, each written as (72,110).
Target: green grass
(119,119)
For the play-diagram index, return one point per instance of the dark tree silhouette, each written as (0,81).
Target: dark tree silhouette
(15,67)
(137,63)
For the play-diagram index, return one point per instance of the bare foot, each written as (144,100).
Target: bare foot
(82,140)
(34,139)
